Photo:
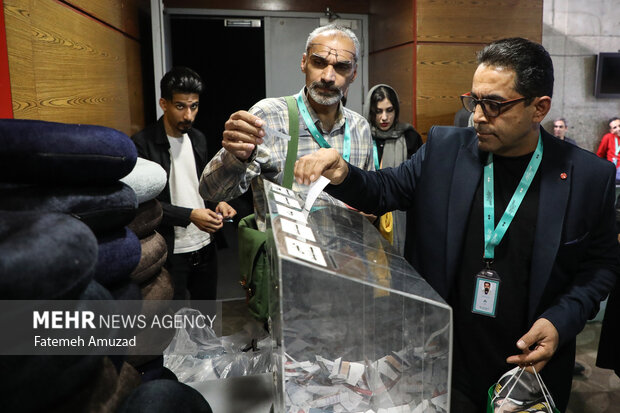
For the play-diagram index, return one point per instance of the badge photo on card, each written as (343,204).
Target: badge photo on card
(485,295)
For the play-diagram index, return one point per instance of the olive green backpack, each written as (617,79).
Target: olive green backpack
(254,260)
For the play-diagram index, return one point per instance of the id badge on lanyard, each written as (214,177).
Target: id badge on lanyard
(486,292)
(486,287)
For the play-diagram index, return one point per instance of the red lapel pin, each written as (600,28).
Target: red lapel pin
(563,176)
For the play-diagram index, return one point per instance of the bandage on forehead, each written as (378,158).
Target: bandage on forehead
(323,51)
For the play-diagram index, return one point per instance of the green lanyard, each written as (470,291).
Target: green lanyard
(492,237)
(318,137)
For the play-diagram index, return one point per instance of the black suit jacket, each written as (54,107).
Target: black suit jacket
(574,262)
(608,356)
(152,144)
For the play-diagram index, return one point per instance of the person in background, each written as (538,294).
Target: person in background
(249,155)
(393,143)
(187,225)
(610,144)
(506,201)
(559,130)
(463,118)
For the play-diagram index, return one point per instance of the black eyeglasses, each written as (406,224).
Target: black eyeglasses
(491,108)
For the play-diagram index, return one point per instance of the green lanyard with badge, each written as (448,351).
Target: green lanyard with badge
(487,281)
(318,137)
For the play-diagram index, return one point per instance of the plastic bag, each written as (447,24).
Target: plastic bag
(197,354)
(520,393)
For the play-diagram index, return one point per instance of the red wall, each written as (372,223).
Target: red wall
(6,104)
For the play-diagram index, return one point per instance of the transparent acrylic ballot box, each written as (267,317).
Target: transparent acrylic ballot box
(355,327)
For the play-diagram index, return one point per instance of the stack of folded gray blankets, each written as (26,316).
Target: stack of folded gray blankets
(148,179)
(77,222)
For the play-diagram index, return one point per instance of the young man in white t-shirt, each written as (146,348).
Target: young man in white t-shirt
(187,223)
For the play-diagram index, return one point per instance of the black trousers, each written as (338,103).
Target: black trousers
(194,272)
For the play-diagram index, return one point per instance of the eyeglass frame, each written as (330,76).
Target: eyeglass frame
(483,102)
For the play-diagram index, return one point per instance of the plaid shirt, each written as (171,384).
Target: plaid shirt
(226,177)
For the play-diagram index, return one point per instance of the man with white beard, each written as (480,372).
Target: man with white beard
(252,153)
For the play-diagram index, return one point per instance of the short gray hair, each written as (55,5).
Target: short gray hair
(335,28)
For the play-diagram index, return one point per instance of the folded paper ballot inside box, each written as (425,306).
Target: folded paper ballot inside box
(355,327)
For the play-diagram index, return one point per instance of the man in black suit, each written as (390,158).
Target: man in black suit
(608,356)
(538,209)
(187,224)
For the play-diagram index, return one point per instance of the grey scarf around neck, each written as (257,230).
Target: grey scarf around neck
(395,149)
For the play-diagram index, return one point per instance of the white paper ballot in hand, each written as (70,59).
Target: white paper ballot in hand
(275,134)
(315,189)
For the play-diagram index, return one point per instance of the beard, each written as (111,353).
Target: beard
(333,96)
(184,127)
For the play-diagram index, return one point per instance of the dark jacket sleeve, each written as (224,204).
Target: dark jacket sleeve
(173,215)
(377,192)
(139,140)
